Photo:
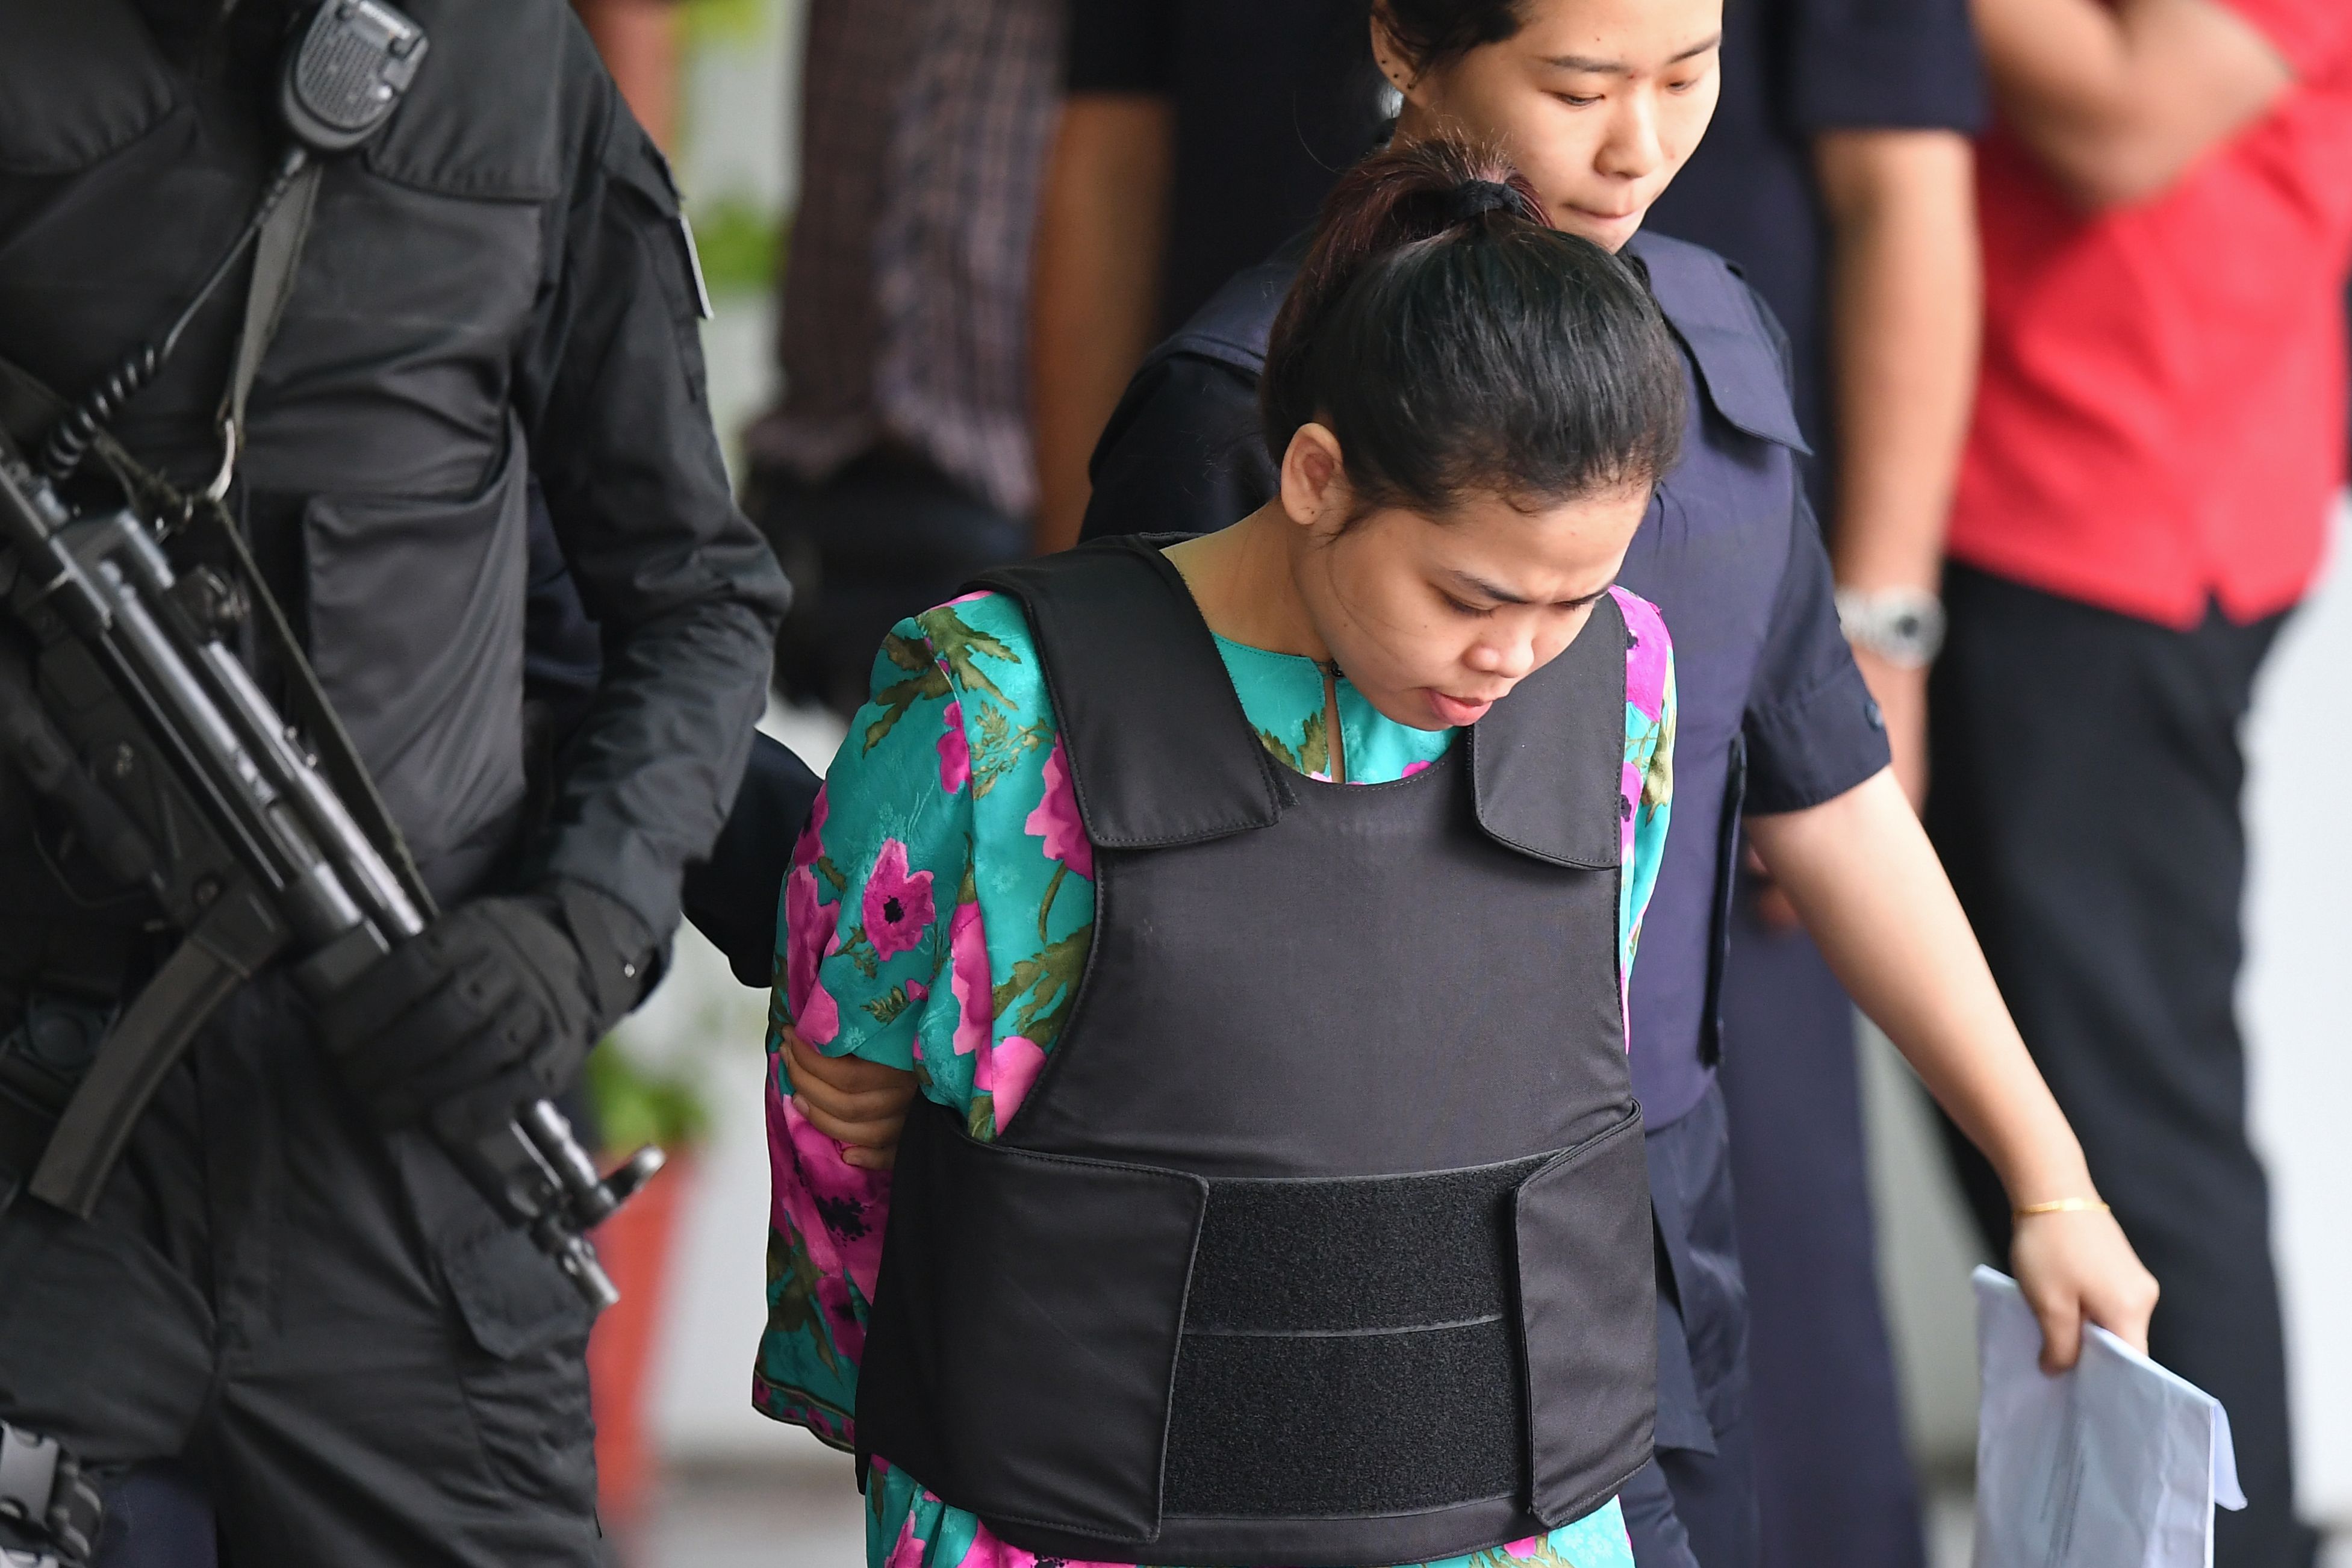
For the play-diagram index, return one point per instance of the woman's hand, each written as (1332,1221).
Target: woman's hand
(857,1103)
(1875,896)
(2076,1265)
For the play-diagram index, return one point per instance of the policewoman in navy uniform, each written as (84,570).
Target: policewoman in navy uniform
(1837,178)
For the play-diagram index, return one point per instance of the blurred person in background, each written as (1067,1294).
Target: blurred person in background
(897,463)
(2159,431)
(1194,137)
(1837,177)
(640,42)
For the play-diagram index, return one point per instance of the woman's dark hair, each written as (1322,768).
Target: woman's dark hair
(1432,32)
(1457,344)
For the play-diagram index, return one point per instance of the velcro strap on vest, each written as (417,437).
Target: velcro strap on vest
(1350,1348)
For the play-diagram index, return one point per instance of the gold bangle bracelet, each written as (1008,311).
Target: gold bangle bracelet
(2061,1206)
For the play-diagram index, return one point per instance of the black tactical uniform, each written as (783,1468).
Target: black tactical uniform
(365,1363)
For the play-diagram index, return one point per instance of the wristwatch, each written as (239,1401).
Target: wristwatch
(1904,626)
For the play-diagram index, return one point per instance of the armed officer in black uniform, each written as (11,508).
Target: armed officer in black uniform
(287,1282)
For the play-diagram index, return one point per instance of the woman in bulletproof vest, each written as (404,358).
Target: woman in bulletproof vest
(1255,914)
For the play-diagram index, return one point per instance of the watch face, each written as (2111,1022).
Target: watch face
(1905,628)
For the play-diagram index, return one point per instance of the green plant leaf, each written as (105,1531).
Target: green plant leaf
(738,243)
(723,22)
(636,1105)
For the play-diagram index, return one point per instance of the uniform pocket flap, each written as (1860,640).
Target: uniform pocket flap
(512,1298)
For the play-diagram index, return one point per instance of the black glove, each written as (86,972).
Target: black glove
(497,1002)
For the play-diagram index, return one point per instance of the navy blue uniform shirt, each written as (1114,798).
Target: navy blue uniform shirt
(1728,553)
(1792,70)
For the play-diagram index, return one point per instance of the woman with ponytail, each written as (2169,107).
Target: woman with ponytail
(1254,915)
(1599,103)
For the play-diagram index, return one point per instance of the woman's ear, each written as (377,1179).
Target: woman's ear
(1394,62)
(1314,480)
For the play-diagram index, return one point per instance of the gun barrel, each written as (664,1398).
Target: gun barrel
(110,584)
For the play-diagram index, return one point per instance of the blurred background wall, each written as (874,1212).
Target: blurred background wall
(738,165)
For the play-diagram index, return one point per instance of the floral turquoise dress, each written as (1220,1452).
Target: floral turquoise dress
(937,917)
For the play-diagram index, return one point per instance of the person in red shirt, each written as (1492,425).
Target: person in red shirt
(2165,206)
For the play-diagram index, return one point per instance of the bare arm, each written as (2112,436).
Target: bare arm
(1905,306)
(639,42)
(1860,872)
(1102,226)
(2117,101)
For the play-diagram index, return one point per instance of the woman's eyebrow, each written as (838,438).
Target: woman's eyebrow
(1590,66)
(1504,595)
(1480,585)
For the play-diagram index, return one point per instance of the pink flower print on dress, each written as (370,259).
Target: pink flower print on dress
(838,1211)
(810,846)
(989,1551)
(897,907)
(968,979)
(809,939)
(1055,820)
(955,751)
(1646,660)
(1006,1073)
(819,1016)
(907,1552)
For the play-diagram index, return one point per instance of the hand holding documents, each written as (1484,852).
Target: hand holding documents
(2116,1464)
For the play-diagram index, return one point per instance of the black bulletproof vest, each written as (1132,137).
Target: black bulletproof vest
(1324,1237)
(1712,554)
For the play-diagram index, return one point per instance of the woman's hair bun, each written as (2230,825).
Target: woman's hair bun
(1456,342)
(1474,199)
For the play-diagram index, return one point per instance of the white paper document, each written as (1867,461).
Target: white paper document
(2116,1464)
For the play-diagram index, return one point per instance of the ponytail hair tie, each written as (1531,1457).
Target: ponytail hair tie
(1474,198)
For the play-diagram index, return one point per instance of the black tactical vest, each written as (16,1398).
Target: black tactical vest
(1324,1237)
(384,479)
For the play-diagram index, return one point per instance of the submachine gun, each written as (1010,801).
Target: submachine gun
(136,720)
